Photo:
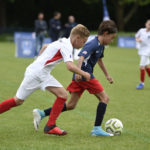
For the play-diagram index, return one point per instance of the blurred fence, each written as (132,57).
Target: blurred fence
(26,41)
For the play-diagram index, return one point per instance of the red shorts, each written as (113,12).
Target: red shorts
(93,86)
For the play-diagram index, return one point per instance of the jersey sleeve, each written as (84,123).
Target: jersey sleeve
(87,50)
(66,54)
(102,55)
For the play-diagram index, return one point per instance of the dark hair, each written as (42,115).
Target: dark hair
(107,26)
(147,20)
(40,13)
(56,13)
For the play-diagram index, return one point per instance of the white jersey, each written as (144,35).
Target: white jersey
(52,55)
(144,46)
(37,75)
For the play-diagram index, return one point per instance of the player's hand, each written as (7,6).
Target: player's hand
(87,76)
(139,40)
(78,77)
(110,79)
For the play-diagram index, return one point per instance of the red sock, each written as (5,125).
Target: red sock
(7,104)
(148,71)
(56,110)
(142,75)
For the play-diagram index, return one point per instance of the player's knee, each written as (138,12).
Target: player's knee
(18,101)
(146,66)
(105,100)
(64,95)
(142,67)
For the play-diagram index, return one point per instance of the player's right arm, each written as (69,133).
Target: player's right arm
(138,40)
(68,59)
(137,36)
(73,68)
(43,49)
(79,64)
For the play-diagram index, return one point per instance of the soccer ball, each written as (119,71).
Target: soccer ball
(114,126)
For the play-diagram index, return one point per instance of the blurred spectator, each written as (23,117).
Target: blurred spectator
(68,26)
(40,29)
(55,26)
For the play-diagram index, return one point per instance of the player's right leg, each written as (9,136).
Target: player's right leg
(28,85)
(38,114)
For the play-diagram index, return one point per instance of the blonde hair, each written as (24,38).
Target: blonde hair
(80,30)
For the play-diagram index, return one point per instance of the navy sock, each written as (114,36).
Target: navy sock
(47,111)
(101,108)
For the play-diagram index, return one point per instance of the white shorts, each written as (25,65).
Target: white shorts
(31,83)
(144,60)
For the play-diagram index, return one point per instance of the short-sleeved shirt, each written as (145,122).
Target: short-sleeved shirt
(91,52)
(144,46)
(60,50)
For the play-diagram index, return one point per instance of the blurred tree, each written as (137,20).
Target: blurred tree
(122,16)
(3,12)
(20,14)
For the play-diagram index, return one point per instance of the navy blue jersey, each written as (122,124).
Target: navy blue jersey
(91,52)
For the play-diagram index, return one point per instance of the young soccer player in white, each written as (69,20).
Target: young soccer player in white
(37,75)
(143,45)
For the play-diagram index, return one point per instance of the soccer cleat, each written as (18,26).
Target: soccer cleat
(37,117)
(140,86)
(98,131)
(54,130)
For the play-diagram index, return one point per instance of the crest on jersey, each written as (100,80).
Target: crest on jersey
(84,52)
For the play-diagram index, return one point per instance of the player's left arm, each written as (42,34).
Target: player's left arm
(102,66)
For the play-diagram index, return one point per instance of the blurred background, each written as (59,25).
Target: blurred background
(20,15)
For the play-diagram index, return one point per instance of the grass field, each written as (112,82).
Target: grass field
(126,103)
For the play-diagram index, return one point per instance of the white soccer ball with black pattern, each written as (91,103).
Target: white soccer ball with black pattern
(114,126)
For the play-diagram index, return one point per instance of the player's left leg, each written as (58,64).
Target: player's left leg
(75,90)
(101,109)
(94,87)
(58,105)
(147,68)
(38,114)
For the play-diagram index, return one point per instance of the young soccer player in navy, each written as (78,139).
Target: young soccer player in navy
(91,53)
(37,75)
(143,43)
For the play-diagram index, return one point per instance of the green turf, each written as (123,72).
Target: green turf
(126,103)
